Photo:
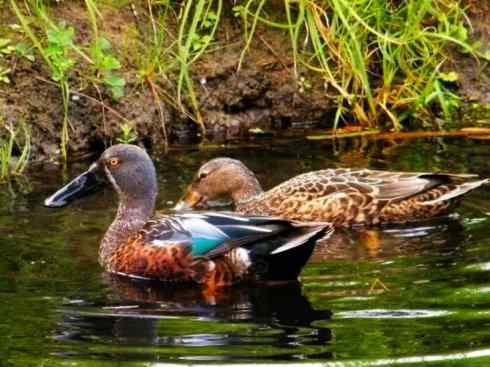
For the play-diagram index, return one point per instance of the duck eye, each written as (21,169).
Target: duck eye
(202,175)
(114,162)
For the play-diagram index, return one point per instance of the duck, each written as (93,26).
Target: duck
(342,196)
(210,249)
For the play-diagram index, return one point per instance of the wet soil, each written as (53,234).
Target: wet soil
(263,96)
(474,74)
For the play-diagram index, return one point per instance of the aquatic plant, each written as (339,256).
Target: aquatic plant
(12,164)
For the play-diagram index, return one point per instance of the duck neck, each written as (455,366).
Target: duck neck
(248,190)
(132,214)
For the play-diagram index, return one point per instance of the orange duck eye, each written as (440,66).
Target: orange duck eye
(114,162)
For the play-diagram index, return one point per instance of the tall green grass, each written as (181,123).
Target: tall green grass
(192,29)
(381,62)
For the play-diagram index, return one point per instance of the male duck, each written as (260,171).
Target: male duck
(344,197)
(214,249)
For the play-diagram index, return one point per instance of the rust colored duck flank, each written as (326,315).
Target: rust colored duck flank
(214,249)
(345,197)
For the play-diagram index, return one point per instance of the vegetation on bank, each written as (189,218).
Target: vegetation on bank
(381,63)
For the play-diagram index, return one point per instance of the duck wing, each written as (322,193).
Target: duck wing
(216,233)
(209,233)
(166,230)
(397,186)
(269,247)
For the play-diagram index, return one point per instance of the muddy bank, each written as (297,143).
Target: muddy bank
(263,95)
(474,75)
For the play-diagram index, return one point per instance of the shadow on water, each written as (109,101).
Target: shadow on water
(146,313)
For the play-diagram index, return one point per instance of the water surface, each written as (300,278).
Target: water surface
(413,295)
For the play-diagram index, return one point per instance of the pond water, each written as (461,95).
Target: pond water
(412,295)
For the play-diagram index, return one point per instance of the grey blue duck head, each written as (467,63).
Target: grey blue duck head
(127,167)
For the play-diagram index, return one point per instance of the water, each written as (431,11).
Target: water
(413,295)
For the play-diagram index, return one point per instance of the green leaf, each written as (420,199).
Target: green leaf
(25,51)
(4,75)
(207,38)
(116,84)
(117,92)
(452,76)
(486,55)
(61,36)
(109,63)
(238,11)
(4,42)
(103,44)
(5,47)
(114,80)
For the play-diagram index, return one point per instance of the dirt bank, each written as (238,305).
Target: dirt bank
(263,96)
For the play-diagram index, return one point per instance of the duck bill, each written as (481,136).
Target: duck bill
(191,200)
(79,186)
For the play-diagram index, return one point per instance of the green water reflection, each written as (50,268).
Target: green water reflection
(413,295)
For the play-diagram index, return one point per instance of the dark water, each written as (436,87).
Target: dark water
(414,295)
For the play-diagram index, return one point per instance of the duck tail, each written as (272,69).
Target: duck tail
(286,261)
(307,232)
(458,191)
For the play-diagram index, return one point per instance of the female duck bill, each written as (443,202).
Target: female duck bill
(79,186)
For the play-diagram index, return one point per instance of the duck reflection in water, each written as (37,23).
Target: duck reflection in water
(143,310)
(433,236)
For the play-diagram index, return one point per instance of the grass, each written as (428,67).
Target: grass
(14,154)
(382,59)
(59,52)
(383,63)
(194,21)
(56,56)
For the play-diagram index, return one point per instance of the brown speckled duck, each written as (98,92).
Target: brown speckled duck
(211,249)
(345,197)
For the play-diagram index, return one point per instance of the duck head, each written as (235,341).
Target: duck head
(127,167)
(220,178)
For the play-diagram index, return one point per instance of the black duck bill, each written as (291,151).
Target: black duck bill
(78,187)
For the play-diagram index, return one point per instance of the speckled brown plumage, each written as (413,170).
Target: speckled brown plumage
(345,197)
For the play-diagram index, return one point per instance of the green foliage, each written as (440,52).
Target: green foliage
(116,85)
(25,51)
(128,135)
(381,62)
(105,64)
(60,40)
(56,54)
(10,164)
(197,27)
(6,48)
(4,74)
(381,59)
(199,40)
